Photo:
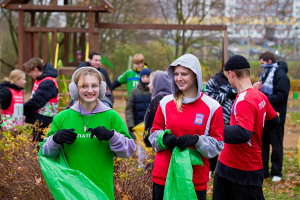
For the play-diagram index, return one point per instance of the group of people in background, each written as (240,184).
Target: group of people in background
(43,103)
(233,116)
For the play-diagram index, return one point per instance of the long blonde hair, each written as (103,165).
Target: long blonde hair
(14,74)
(178,100)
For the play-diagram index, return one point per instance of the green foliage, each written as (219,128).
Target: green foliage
(156,56)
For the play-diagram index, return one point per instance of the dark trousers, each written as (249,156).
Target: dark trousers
(158,193)
(225,189)
(275,138)
(213,163)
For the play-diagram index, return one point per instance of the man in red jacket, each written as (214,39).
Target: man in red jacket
(239,173)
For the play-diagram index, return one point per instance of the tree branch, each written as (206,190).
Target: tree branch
(7,64)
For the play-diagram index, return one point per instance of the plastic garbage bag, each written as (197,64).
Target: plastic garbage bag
(138,130)
(179,182)
(65,183)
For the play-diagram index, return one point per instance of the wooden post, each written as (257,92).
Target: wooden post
(91,32)
(75,60)
(224,48)
(96,35)
(82,45)
(53,45)
(21,40)
(28,46)
(66,49)
(36,44)
(32,18)
(45,48)
(32,23)
(96,41)
(96,19)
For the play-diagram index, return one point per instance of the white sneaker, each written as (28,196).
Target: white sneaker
(276,178)
(210,173)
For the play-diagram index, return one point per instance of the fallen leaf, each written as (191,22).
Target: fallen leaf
(291,175)
(280,191)
(289,153)
(38,180)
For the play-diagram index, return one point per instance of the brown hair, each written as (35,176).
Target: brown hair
(138,58)
(268,56)
(78,79)
(241,73)
(94,53)
(14,74)
(34,63)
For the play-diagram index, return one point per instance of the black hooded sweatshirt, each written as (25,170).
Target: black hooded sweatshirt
(281,88)
(5,94)
(43,94)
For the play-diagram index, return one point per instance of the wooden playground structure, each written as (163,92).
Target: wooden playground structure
(29,46)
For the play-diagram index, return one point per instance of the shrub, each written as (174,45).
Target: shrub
(295,85)
(132,178)
(21,176)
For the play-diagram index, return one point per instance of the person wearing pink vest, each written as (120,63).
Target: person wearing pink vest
(11,100)
(43,104)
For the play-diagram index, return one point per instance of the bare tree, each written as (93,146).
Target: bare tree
(11,18)
(181,12)
(260,16)
(125,11)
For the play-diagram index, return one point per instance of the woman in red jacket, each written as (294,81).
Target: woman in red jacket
(194,119)
(11,100)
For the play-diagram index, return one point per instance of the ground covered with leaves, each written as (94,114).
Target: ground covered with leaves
(21,177)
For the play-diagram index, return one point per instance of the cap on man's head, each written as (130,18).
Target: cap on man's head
(145,71)
(78,52)
(236,62)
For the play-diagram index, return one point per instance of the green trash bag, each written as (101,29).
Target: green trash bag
(179,182)
(65,183)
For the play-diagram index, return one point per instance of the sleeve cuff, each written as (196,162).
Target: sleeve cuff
(115,137)
(160,137)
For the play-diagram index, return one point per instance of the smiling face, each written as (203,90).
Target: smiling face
(20,82)
(95,61)
(88,89)
(186,81)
